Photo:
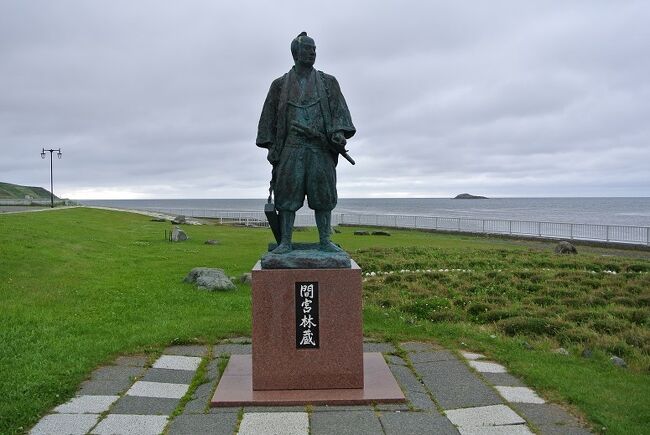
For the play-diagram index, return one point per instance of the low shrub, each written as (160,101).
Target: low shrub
(531,325)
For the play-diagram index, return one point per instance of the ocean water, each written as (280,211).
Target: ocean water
(607,211)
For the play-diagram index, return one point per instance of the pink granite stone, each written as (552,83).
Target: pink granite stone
(276,362)
(236,388)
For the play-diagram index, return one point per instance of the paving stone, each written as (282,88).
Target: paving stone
(393,406)
(132,361)
(472,355)
(519,394)
(197,406)
(158,389)
(139,405)
(224,410)
(200,399)
(505,379)
(176,362)
(168,375)
(203,424)
(115,373)
(438,355)
(131,424)
(406,379)
(487,367)
(378,347)
(286,423)
(344,423)
(232,349)
(335,408)
(512,429)
(86,405)
(187,350)
(65,424)
(495,415)
(420,401)
(104,388)
(415,423)
(453,385)
(212,369)
(548,415)
(416,346)
(274,409)
(394,359)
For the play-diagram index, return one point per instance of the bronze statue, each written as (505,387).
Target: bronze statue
(305,123)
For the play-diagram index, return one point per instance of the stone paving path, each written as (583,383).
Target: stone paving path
(445,395)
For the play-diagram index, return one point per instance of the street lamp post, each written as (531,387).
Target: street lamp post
(58,154)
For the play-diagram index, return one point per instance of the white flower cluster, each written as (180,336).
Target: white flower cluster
(416,271)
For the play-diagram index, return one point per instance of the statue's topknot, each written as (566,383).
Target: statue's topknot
(296,42)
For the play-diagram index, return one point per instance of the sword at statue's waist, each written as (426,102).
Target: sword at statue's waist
(310,132)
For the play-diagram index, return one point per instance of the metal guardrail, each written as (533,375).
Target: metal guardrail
(553,230)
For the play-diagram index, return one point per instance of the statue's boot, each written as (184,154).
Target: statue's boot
(287,219)
(324,224)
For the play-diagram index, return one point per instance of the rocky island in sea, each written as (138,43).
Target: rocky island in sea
(468,196)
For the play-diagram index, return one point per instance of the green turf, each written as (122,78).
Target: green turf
(80,286)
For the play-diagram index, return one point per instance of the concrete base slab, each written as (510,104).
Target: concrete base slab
(236,387)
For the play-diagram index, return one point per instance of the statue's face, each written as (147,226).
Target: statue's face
(306,52)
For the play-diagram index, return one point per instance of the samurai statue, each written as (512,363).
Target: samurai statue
(305,124)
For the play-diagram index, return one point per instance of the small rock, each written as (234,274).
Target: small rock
(211,242)
(158,220)
(246,278)
(587,353)
(618,362)
(207,278)
(178,235)
(565,247)
(561,351)
(179,220)
(361,233)
(380,233)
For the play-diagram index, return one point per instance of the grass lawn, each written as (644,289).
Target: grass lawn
(80,286)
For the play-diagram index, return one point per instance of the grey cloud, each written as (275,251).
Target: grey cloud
(162,99)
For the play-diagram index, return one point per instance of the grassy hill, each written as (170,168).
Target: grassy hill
(15,191)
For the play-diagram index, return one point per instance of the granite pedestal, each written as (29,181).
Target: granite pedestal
(282,372)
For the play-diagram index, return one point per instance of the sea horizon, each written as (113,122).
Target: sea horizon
(633,211)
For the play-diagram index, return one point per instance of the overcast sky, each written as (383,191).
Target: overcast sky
(161,99)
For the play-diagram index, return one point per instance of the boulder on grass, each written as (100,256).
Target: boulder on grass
(380,233)
(211,279)
(565,247)
(361,233)
(178,235)
(211,242)
(179,220)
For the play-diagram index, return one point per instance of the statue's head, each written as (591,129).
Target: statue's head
(303,50)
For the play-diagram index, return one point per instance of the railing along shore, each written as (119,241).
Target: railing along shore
(549,230)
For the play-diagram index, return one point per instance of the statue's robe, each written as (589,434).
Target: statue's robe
(304,164)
